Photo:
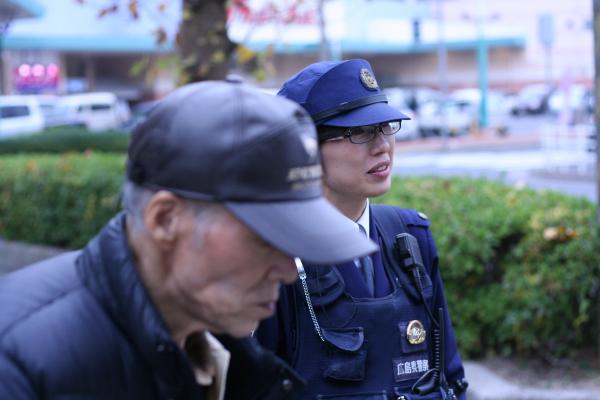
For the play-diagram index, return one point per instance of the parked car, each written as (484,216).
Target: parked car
(498,107)
(402,99)
(139,113)
(454,117)
(20,115)
(575,100)
(98,111)
(57,114)
(532,99)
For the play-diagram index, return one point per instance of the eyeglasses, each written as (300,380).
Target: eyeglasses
(359,134)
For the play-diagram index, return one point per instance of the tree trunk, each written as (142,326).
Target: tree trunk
(202,40)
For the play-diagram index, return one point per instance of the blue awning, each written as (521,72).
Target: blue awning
(368,47)
(11,9)
(96,44)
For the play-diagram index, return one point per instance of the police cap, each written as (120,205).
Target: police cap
(340,93)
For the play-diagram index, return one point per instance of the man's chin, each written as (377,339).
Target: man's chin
(243,331)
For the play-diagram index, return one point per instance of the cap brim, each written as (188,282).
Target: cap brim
(375,113)
(310,229)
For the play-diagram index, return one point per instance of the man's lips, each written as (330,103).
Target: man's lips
(268,306)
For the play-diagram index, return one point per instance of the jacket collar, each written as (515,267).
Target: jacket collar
(107,267)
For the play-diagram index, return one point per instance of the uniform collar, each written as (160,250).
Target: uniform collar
(364,219)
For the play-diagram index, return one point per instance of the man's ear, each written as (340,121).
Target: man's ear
(162,217)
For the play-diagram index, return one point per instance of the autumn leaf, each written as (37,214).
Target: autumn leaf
(133,9)
(161,35)
(218,57)
(108,10)
(245,54)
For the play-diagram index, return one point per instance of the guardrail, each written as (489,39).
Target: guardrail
(569,148)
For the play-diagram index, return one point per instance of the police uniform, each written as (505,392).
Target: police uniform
(394,341)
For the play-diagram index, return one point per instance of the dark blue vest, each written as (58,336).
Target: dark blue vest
(364,350)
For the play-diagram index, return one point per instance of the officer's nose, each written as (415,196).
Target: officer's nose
(381,143)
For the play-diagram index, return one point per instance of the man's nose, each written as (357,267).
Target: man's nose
(288,270)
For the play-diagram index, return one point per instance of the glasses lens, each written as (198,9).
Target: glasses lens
(389,128)
(329,133)
(362,134)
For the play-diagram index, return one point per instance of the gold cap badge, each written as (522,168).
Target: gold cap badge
(415,332)
(368,80)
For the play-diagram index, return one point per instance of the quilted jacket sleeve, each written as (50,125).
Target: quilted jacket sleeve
(14,384)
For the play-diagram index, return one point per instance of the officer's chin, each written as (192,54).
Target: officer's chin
(379,191)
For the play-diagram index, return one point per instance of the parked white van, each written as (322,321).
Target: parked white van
(20,115)
(98,111)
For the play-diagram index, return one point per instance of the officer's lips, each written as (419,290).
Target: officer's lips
(381,169)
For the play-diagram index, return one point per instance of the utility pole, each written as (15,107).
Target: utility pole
(324,48)
(482,64)
(442,53)
(597,102)
(4,25)
(596,6)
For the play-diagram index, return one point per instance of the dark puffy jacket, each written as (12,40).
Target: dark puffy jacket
(82,326)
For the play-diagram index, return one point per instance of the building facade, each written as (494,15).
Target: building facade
(514,43)
(72,48)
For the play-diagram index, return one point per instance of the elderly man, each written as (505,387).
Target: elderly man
(223,190)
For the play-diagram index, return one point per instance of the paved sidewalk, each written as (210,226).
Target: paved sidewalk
(484,384)
(476,142)
(17,254)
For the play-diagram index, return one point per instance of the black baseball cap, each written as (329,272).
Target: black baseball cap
(255,153)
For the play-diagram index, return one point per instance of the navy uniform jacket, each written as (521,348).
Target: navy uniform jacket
(279,333)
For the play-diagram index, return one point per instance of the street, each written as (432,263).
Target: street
(510,160)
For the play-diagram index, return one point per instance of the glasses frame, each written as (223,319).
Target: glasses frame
(338,133)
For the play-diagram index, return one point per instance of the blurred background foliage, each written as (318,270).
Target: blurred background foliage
(66,139)
(59,200)
(521,268)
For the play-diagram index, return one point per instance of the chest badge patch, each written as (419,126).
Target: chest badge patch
(415,332)
(368,80)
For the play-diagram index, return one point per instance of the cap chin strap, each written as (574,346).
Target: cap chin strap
(348,106)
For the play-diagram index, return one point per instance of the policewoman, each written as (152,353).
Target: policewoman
(377,327)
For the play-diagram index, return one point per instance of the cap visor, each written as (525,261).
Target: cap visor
(375,113)
(310,229)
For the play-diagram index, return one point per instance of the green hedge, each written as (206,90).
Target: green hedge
(65,139)
(521,268)
(58,200)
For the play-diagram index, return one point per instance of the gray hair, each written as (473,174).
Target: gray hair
(135,198)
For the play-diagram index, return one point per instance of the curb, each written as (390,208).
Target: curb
(18,254)
(484,384)
(477,142)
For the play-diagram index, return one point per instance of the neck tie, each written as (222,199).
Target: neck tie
(367,267)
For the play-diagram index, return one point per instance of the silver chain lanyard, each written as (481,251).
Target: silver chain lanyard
(302,276)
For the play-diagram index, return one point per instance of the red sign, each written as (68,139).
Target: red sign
(36,78)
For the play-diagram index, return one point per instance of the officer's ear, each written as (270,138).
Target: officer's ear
(163,216)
